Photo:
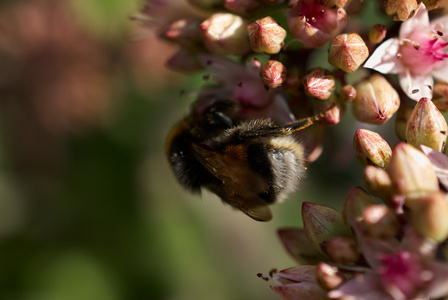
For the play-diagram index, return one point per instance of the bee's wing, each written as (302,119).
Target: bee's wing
(240,184)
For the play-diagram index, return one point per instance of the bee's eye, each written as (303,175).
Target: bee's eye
(277,154)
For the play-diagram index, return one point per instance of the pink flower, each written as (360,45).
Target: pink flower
(418,55)
(400,270)
(242,83)
(314,24)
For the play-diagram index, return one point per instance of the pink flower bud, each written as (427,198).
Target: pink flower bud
(266,36)
(299,247)
(322,223)
(328,276)
(242,7)
(298,283)
(400,10)
(184,32)
(348,93)
(379,221)
(376,100)
(225,33)
(371,148)
(378,182)
(334,111)
(347,52)
(355,202)
(314,24)
(427,126)
(342,250)
(273,74)
(319,83)
(428,215)
(411,172)
(377,33)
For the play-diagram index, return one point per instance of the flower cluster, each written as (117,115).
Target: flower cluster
(266,55)
(388,249)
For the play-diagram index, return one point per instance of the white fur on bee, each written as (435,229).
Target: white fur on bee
(288,164)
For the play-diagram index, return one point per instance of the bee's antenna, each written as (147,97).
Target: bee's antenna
(304,123)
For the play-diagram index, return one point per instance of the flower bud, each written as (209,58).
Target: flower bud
(379,221)
(314,24)
(242,7)
(378,182)
(322,223)
(401,121)
(411,172)
(184,32)
(347,52)
(348,93)
(319,83)
(266,35)
(298,283)
(328,276)
(273,74)
(377,33)
(376,100)
(225,33)
(428,215)
(431,4)
(342,250)
(427,126)
(355,202)
(371,148)
(298,246)
(440,96)
(400,10)
(333,110)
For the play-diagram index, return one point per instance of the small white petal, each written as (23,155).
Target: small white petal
(416,86)
(419,20)
(384,58)
(441,24)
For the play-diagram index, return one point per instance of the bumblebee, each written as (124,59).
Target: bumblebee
(249,164)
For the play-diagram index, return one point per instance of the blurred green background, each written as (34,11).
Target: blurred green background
(88,206)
